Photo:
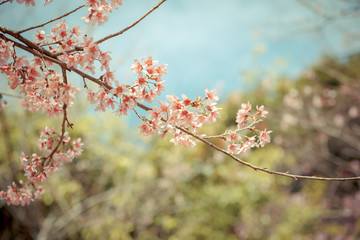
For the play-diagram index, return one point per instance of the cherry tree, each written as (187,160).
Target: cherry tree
(38,69)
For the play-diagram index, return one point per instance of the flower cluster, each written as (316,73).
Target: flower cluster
(97,9)
(6,51)
(184,113)
(58,150)
(45,89)
(65,42)
(239,143)
(22,195)
(124,97)
(42,88)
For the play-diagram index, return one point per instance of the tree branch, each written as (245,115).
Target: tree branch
(295,177)
(27,42)
(249,127)
(50,21)
(56,61)
(63,128)
(77,48)
(130,26)
(4,2)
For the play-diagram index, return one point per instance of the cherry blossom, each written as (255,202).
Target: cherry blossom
(56,150)
(97,10)
(41,78)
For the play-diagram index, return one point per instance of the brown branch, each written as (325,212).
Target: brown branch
(264,169)
(27,42)
(4,2)
(35,53)
(146,108)
(249,127)
(78,48)
(63,128)
(62,64)
(130,26)
(50,21)
(63,69)
(56,61)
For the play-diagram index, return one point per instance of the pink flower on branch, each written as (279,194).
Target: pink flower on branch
(57,149)
(44,85)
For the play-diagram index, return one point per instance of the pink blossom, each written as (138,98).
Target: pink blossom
(76,31)
(96,14)
(232,136)
(20,62)
(119,90)
(211,95)
(234,148)
(264,137)
(146,129)
(17,196)
(115,3)
(39,36)
(6,51)
(137,67)
(243,114)
(261,112)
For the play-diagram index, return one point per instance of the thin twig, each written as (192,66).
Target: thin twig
(237,130)
(78,48)
(50,21)
(264,169)
(132,25)
(26,41)
(56,61)
(63,128)
(4,2)
(63,125)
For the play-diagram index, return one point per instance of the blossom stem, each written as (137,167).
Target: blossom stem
(4,2)
(237,130)
(63,128)
(256,168)
(132,25)
(50,21)
(78,48)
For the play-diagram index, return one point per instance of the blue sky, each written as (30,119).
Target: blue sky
(205,43)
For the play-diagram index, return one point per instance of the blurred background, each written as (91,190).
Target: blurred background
(298,58)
